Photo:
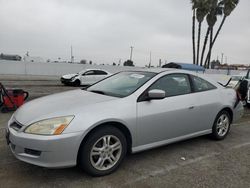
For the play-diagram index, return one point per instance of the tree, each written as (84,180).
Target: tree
(215,63)
(223,7)
(229,6)
(201,11)
(211,20)
(209,9)
(83,61)
(204,46)
(194,5)
(128,63)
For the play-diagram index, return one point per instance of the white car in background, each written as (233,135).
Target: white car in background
(84,77)
(247,77)
(235,79)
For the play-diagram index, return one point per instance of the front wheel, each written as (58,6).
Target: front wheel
(77,83)
(103,151)
(221,125)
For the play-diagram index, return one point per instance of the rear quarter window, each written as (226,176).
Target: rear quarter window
(200,84)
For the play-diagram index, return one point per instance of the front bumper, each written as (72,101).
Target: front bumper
(46,151)
(66,81)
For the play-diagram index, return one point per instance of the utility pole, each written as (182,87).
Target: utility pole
(160,62)
(221,58)
(150,58)
(131,53)
(71,52)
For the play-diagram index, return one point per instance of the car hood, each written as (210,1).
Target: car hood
(68,76)
(56,105)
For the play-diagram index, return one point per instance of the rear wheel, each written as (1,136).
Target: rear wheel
(221,125)
(103,151)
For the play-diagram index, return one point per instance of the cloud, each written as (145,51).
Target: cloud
(104,30)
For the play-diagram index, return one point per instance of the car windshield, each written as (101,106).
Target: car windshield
(82,71)
(122,84)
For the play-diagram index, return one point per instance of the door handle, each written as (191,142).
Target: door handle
(191,107)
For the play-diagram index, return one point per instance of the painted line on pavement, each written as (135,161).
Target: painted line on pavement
(184,163)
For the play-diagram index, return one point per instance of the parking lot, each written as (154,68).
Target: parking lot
(199,162)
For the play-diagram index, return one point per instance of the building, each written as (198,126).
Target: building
(10,57)
(185,66)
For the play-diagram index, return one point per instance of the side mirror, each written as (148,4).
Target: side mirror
(156,94)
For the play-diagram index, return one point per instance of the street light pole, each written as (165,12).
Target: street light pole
(221,58)
(150,59)
(72,57)
(131,52)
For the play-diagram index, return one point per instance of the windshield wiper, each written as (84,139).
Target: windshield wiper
(98,91)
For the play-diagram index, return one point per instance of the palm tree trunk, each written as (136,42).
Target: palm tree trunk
(210,47)
(204,47)
(193,36)
(216,35)
(219,29)
(198,43)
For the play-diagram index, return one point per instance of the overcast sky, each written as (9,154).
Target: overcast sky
(104,30)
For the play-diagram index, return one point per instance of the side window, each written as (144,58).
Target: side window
(88,73)
(173,84)
(201,84)
(99,72)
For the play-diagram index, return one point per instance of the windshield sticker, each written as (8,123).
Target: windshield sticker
(138,76)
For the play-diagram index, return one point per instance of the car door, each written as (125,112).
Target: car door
(88,77)
(168,118)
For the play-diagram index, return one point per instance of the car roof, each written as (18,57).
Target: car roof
(173,70)
(161,70)
(93,70)
(153,70)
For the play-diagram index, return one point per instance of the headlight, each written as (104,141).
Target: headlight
(53,126)
(73,78)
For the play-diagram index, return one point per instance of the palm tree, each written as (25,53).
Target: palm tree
(229,6)
(204,46)
(194,6)
(201,12)
(193,35)
(215,10)
(226,7)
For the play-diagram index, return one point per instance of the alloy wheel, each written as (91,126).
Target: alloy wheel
(222,125)
(106,152)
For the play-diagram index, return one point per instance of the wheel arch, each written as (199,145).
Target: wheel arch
(124,129)
(230,112)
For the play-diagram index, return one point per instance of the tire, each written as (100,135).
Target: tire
(77,83)
(221,126)
(247,105)
(102,160)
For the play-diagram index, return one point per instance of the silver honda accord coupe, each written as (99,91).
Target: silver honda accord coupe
(128,112)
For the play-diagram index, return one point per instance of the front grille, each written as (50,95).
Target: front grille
(16,126)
